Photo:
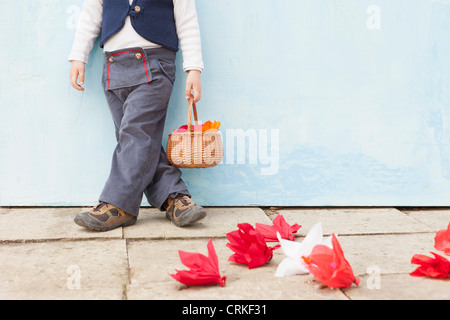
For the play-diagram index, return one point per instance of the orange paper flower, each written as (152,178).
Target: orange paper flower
(211,127)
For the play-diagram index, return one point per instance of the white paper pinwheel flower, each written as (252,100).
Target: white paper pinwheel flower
(294,251)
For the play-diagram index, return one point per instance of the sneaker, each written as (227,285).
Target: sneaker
(104,217)
(182,211)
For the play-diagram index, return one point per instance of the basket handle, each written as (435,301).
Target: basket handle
(192,108)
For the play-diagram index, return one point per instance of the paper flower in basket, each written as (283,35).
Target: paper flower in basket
(209,126)
(329,266)
(442,240)
(184,128)
(437,267)
(203,271)
(294,251)
(249,246)
(279,225)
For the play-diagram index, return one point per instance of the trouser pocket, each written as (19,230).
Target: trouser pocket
(167,69)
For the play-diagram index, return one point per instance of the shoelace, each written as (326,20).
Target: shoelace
(100,205)
(185,200)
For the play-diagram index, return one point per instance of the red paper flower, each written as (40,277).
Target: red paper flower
(437,267)
(279,225)
(249,246)
(203,271)
(442,240)
(329,266)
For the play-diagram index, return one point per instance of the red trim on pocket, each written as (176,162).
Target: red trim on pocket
(129,51)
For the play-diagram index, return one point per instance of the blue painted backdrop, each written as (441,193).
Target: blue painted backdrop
(322,103)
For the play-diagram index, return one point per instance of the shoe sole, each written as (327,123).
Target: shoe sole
(81,222)
(196,213)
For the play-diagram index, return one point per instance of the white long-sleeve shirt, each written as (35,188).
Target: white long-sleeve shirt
(90,22)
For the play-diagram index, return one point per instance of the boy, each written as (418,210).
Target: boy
(140,39)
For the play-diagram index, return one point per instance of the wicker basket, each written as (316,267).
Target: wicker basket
(194,149)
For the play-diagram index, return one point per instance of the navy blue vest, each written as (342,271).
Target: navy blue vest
(152,19)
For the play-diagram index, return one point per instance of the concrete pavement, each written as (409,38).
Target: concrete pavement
(44,255)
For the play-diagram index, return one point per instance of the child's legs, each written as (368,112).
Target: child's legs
(166,178)
(139,163)
(139,140)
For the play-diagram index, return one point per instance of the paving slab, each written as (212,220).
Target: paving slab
(386,253)
(152,223)
(151,262)
(22,224)
(436,219)
(348,221)
(91,269)
(399,287)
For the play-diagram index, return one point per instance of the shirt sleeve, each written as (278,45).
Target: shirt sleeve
(87,30)
(188,32)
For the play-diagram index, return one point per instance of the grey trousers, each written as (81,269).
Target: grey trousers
(138,84)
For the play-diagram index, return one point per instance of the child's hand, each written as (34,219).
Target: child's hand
(77,73)
(194,84)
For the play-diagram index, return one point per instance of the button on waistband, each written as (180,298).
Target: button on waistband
(138,56)
(137,8)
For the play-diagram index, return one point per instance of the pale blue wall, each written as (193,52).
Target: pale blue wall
(345,102)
